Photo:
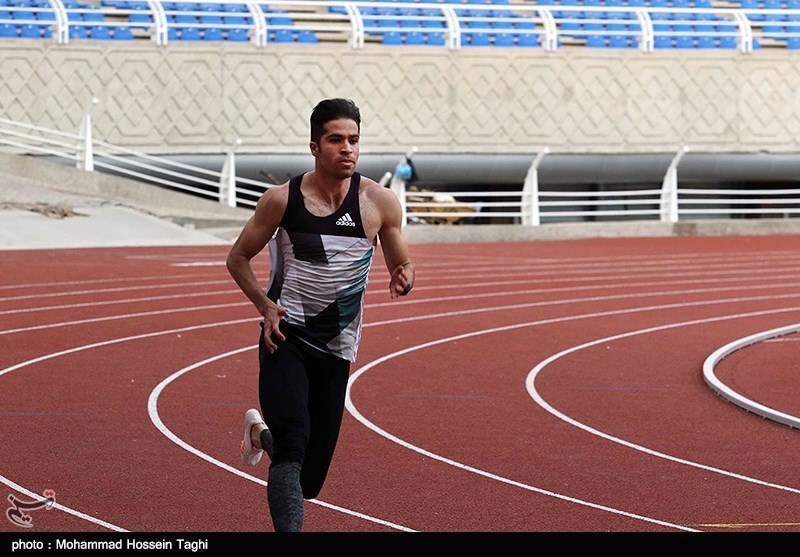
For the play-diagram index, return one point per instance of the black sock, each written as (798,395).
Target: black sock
(266,442)
(285,497)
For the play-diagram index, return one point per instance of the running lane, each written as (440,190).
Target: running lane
(544,386)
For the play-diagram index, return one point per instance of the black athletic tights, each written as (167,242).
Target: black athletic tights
(302,392)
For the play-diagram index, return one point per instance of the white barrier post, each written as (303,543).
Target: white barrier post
(398,183)
(227,179)
(85,158)
(530,191)
(669,189)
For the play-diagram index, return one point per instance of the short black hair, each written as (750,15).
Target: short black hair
(332,109)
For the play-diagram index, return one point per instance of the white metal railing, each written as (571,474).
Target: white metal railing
(531,205)
(643,24)
(91,155)
(528,205)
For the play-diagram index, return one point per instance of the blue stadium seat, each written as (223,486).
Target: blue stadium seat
(238,35)
(210,19)
(77,32)
(727,42)
(662,41)
(415,37)
(618,41)
(596,41)
(190,34)
(793,43)
(100,32)
(213,34)
(307,36)
(528,39)
(435,39)
(392,38)
(504,39)
(94,14)
(123,34)
(706,42)
(284,36)
(8,30)
(477,39)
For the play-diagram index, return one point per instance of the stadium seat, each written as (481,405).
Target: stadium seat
(77,32)
(8,30)
(235,20)
(94,14)
(238,35)
(190,34)
(595,41)
(662,41)
(392,38)
(415,38)
(618,41)
(213,34)
(306,36)
(210,18)
(100,33)
(793,43)
(477,39)
(284,36)
(706,42)
(504,39)
(29,31)
(435,39)
(528,39)
(123,34)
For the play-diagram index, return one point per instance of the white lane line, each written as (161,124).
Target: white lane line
(123,301)
(366,422)
(102,280)
(738,399)
(152,410)
(427,300)
(531,387)
(123,316)
(109,290)
(59,506)
(530,271)
(460,286)
(53,355)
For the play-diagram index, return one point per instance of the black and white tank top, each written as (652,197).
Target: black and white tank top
(319,268)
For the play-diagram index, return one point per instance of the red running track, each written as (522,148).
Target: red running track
(522,387)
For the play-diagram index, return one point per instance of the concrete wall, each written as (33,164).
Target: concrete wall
(197,98)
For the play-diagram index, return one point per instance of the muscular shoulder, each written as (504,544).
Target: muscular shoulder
(379,197)
(272,203)
(379,206)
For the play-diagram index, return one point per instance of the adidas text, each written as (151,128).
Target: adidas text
(345,220)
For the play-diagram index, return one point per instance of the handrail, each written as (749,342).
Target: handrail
(557,24)
(90,155)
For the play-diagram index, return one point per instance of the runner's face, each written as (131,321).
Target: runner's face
(338,149)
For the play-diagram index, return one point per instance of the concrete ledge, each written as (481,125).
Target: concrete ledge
(425,234)
(178,207)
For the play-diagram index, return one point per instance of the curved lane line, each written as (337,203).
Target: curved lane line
(46,357)
(531,378)
(39,359)
(152,410)
(736,398)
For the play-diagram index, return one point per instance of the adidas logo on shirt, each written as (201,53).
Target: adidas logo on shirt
(345,220)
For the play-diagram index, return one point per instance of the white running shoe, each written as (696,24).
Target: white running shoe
(250,454)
